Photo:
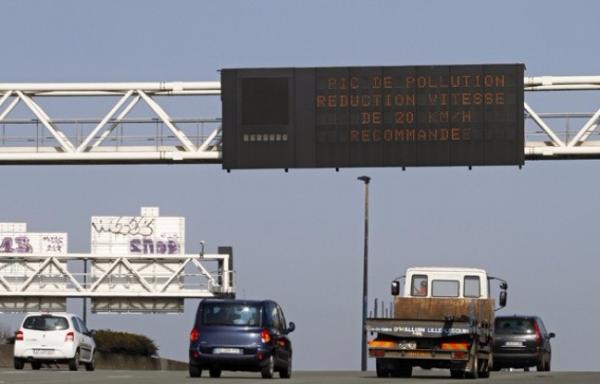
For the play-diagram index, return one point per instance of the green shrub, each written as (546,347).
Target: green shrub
(125,343)
(6,335)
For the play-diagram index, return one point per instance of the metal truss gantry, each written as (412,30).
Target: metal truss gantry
(117,138)
(115,283)
(162,139)
(549,143)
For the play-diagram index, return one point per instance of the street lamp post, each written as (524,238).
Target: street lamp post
(85,298)
(363,351)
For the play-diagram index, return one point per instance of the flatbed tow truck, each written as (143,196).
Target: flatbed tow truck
(445,319)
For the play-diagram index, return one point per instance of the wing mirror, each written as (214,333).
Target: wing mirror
(395,288)
(291,327)
(551,335)
(503,298)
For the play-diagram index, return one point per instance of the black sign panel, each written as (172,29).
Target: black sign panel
(373,116)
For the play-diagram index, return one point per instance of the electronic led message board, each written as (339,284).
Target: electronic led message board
(452,115)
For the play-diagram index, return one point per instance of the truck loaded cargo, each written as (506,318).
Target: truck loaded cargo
(445,319)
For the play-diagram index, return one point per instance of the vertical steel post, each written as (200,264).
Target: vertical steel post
(84,286)
(375,306)
(363,352)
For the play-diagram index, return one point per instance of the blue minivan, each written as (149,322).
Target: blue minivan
(240,335)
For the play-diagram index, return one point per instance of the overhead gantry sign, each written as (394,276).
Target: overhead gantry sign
(373,116)
(302,117)
(137,264)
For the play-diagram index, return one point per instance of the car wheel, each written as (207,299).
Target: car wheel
(286,373)
(214,372)
(74,362)
(92,364)
(526,369)
(548,365)
(267,372)
(18,363)
(195,371)
(36,365)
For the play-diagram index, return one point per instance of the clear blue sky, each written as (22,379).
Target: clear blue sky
(297,237)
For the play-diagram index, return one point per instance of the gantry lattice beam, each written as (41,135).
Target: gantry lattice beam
(165,276)
(36,137)
(156,138)
(115,283)
(549,143)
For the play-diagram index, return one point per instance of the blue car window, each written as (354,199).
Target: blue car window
(239,314)
(282,319)
(275,318)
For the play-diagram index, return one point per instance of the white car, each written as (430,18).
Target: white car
(54,338)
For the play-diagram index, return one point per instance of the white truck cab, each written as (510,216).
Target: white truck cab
(448,282)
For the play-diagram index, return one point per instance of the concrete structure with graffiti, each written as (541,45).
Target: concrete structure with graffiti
(136,264)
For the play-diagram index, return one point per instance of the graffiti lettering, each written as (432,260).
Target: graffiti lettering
(53,243)
(19,244)
(133,226)
(149,246)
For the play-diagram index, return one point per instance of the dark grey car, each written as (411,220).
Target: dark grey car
(240,335)
(522,342)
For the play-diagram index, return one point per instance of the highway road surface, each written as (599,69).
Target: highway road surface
(59,376)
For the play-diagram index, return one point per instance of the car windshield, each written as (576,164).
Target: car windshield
(231,314)
(46,323)
(514,326)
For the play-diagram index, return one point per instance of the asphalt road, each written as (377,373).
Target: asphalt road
(49,376)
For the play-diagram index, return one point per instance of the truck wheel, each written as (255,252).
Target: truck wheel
(214,372)
(541,366)
(457,373)
(484,369)
(36,365)
(382,368)
(402,370)
(474,374)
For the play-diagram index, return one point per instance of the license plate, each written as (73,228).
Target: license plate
(513,344)
(407,345)
(418,354)
(42,351)
(227,351)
